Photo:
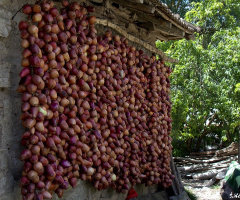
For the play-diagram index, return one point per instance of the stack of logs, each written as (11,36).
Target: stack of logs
(206,165)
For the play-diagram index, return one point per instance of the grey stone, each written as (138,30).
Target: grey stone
(5,68)
(4,159)
(5,22)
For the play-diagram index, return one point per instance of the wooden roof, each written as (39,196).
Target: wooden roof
(143,21)
(147,15)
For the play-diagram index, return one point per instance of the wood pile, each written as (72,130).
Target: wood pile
(207,165)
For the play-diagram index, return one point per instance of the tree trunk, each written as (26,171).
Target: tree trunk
(197,147)
(228,136)
(189,144)
(204,133)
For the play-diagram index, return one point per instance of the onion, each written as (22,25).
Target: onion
(46,195)
(26,154)
(48,18)
(38,167)
(65,164)
(29,123)
(33,30)
(33,176)
(51,144)
(24,72)
(46,7)
(36,8)
(54,12)
(35,150)
(23,25)
(50,171)
(73,182)
(34,101)
(37,17)
(27,9)
(92,20)
(24,181)
(90,171)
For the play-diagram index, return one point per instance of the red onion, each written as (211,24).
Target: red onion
(65,164)
(27,9)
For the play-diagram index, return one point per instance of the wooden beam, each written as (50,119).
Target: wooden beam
(134,39)
(174,38)
(132,28)
(119,13)
(158,35)
(134,17)
(190,37)
(197,28)
(165,26)
(97,1)
(137,1)
(136,6)
(159,12)
(154,33)
(149,26)
(151,21)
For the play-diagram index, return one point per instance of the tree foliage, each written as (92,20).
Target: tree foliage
(205,82)
(179,6)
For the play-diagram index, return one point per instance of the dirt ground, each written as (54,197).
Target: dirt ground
(202,193)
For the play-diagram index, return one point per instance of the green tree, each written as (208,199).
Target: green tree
(179,6)
(205,101)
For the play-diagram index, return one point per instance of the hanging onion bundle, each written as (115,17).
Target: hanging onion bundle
(94,107)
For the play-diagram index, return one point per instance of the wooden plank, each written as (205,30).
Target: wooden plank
(132,38)
(135,6)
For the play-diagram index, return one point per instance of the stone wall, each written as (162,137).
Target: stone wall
(10,111)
